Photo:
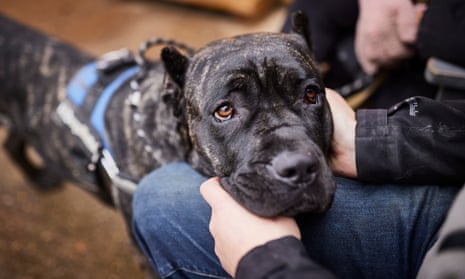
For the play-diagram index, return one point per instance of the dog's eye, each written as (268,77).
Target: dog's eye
(310,95)
(224,112)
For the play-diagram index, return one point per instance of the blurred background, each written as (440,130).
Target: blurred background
(67,233)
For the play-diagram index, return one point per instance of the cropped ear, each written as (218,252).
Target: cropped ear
(175,64)
(300,26)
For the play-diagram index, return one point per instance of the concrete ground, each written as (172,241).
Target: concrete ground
(67,233)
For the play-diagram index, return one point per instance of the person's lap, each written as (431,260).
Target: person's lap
(370,231)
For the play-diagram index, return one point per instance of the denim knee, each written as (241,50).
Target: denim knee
(170,224)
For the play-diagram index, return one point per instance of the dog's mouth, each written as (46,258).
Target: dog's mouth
(269,190)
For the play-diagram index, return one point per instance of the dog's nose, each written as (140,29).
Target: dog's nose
(293,167)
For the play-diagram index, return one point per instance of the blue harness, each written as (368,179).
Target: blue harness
(79,87)
(83,111)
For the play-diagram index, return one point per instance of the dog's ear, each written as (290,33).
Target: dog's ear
(300,26)
(175,64)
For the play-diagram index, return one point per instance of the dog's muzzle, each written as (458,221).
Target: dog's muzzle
(293,168)
(291,183)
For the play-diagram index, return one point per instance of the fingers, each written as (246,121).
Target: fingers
(408,21)
(219,200)
(385,33)
(342,160)
(335,99)
(236,230)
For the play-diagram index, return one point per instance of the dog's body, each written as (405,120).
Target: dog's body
(250,109)
(35,74)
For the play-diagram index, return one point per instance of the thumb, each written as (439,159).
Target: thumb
(212,191)
(408,22)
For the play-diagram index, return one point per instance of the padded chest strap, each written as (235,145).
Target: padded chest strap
(84,84)
(83,111)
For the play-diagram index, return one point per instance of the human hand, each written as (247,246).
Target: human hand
(235,230)
(386,31)
(342,160)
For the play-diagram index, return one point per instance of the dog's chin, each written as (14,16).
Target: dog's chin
(269,198)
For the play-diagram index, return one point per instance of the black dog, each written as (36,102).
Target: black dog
(249,109)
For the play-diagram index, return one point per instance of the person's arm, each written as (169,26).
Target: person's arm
(282,258)
(419,141)
(249,246)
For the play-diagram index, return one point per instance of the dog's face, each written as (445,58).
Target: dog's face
(258,119)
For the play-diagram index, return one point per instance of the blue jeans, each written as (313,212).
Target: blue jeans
(371,231)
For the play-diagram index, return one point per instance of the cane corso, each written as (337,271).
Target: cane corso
(250,109)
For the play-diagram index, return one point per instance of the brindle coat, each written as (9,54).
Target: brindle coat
(250,109)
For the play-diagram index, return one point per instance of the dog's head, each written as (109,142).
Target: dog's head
(258,118)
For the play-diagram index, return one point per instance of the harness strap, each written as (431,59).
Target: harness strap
(81,83)
(83,111)
(88,95)
(97,118)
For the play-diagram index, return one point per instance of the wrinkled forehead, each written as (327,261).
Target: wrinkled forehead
(253,47)
(216,61)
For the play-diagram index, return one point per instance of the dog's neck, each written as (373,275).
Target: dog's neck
(150,122)
(146,118)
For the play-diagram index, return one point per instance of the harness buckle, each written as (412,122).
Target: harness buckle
(112,178)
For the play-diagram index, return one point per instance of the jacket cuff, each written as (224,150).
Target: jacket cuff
(281,258)
(373,147)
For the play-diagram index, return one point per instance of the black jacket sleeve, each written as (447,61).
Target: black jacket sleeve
(442,31)
(418,141)
(282,258)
